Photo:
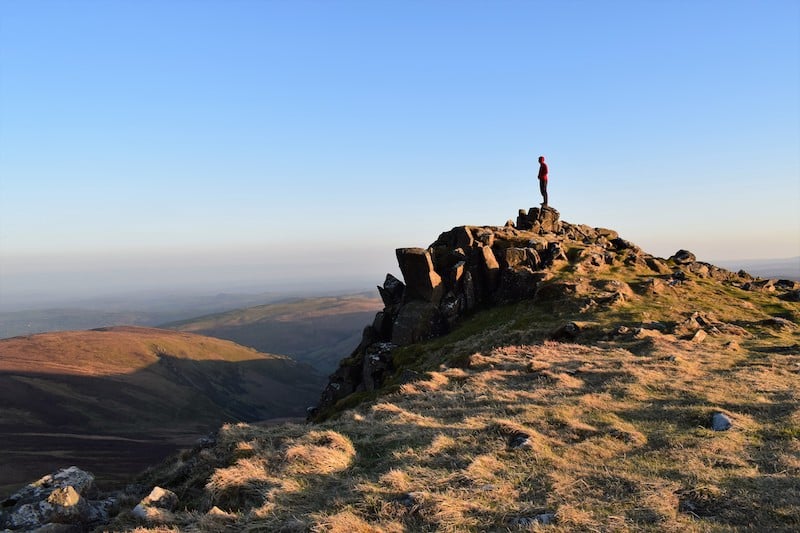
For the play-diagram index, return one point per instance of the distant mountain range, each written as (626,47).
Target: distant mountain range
(133,394)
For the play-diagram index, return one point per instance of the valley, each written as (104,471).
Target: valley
(132,393)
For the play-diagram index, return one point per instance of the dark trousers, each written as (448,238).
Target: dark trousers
(543,190)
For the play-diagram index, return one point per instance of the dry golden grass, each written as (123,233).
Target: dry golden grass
(612,433)
(319,452)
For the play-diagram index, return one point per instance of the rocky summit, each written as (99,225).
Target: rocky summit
(475,267)
(535,376)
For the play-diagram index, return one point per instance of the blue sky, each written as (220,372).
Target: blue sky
(177,141)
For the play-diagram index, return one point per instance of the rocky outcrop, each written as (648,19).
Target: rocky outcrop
(466,268)
(62,501)
(473,267)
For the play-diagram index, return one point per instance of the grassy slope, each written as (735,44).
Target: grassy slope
(316,331)
(71,396)
(616,427)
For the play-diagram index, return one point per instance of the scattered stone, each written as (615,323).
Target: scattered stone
(55,500)
(678,276)
(157,506)
(760,285)
(622,244)
(609,234)
(409,499)
(161,498)
(702,270)
(588,305)
(207,441)
(683,257)
(791,296)
(519,440)
(567,332)
(621,330)
(657,265)
(720,422)
(787,284)
(614,286)
(779,323)
(216,512)
(699,336)
(544,519)
(152,514)
(732,329)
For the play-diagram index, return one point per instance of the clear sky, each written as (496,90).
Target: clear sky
(183,141)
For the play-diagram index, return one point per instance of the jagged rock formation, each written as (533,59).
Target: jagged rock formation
(62,501)
(472,267)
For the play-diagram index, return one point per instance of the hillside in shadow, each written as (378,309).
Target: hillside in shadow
(316,331)
(114,422)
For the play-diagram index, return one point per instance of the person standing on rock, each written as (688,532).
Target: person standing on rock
(543,179)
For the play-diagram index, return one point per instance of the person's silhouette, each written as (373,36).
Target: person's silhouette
(543,179)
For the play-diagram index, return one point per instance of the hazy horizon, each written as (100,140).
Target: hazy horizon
(78,288)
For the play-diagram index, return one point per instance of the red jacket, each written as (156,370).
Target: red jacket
(543,171)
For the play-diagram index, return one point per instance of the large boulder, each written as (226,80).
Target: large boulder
(683,257)
(422,281)
(61,498)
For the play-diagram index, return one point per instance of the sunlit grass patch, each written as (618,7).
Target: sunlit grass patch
(319,452)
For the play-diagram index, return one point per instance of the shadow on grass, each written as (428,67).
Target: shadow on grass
(115,425)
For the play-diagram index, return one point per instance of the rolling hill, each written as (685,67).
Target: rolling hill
(132,394)
(316,331)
